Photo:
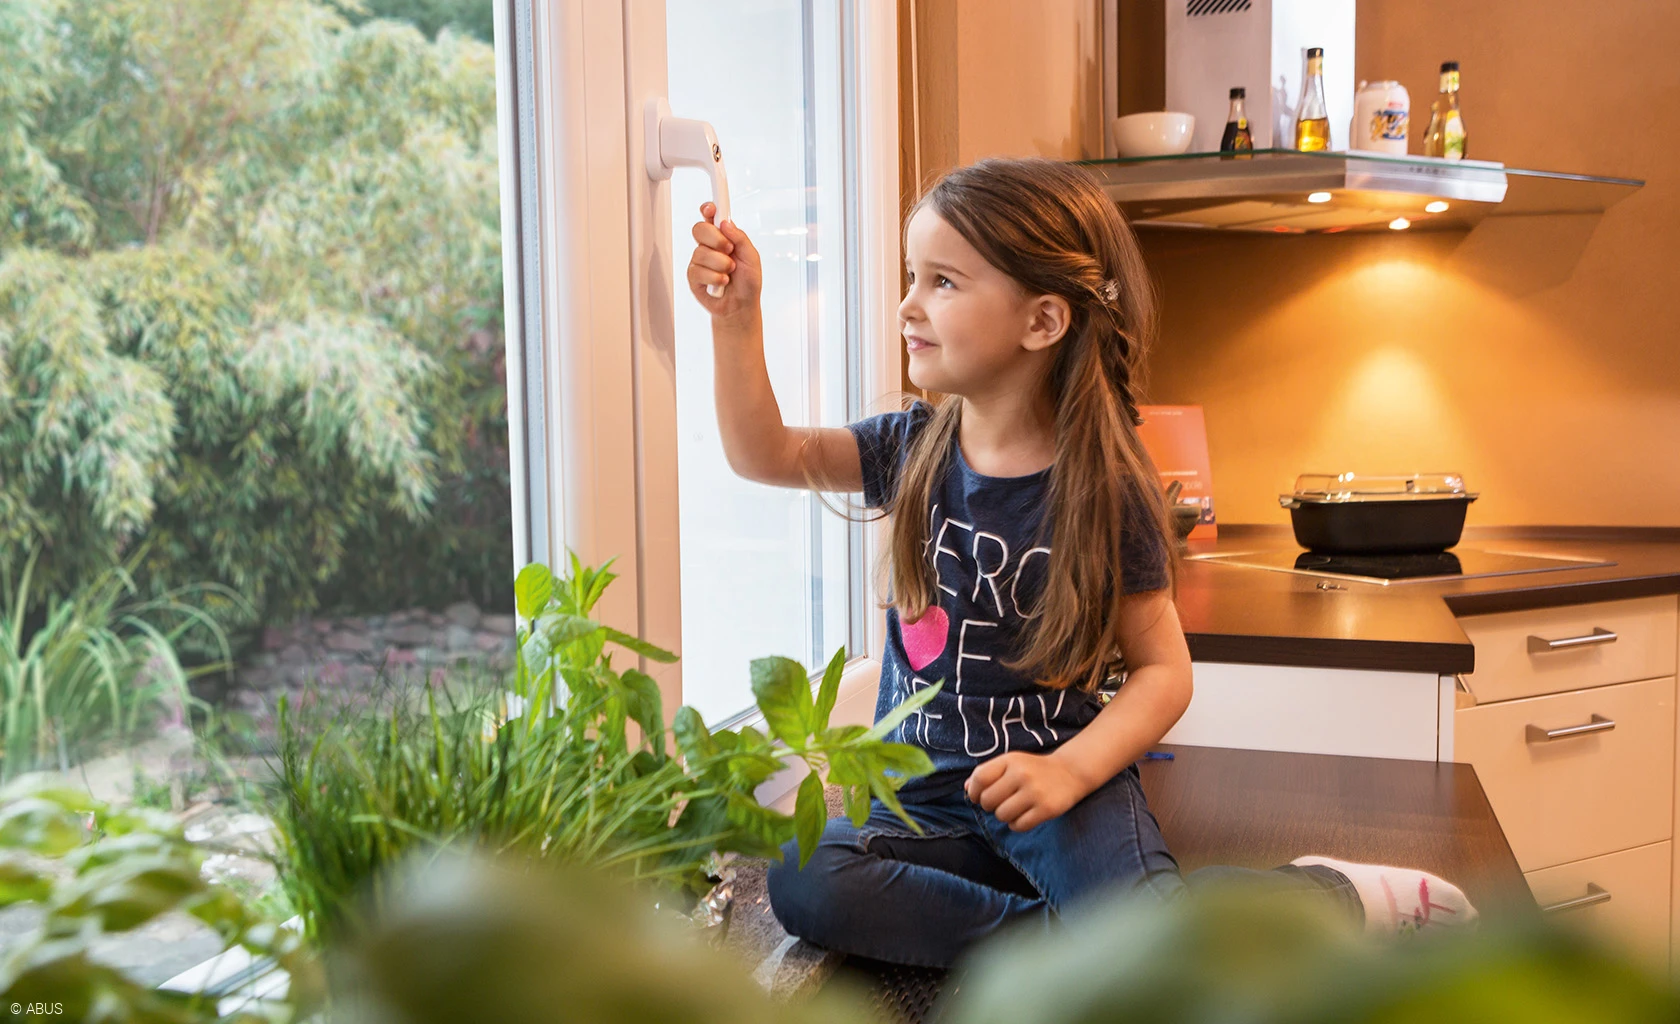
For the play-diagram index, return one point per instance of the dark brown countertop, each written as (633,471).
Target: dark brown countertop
(1251,616)
(1262,809)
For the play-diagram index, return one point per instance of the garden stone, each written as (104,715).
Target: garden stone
(294,655)
(463,614)
(410,636)
(502,624)
(323,626)
(399,656)
(492,642)
(345,641)
(427,655)
(458,638)
(265,660)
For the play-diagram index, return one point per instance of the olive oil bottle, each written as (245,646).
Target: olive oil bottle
(1446,136)
(1312,117)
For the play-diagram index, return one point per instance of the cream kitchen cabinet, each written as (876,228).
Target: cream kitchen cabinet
(1570,719)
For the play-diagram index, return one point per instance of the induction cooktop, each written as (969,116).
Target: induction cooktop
(1386,570)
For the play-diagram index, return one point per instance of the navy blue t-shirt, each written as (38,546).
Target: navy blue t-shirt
(989,565)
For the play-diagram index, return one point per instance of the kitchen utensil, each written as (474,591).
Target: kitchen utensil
(1353,514)
(1156,133)
(1184,517)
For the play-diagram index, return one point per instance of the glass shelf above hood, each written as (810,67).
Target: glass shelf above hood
(1351,191)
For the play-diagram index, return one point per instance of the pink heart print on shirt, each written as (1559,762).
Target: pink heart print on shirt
(924,639)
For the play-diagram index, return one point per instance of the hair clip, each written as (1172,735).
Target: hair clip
(1110,291)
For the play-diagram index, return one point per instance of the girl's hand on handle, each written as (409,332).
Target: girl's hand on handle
(724,255)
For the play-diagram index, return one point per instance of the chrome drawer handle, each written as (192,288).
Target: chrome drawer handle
(1537,734)
(1599,635)
(1595,894)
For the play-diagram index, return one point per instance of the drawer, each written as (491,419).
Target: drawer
(1580,795)
(1548,650)
(1621,897)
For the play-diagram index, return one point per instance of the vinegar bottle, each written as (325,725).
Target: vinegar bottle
(1237,136)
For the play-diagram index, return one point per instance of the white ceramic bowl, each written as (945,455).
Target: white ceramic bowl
(1157,133)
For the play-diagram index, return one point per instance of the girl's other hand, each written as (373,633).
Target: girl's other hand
(724,255)
(1025,790)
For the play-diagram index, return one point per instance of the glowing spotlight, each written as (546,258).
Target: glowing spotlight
(1319,197)
(1399,224)
(1438,206)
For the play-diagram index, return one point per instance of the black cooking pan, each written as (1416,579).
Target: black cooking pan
(1348,514)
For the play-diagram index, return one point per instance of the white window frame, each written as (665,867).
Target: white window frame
(592,417)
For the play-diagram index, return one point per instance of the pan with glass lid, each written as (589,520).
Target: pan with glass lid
(1361,514)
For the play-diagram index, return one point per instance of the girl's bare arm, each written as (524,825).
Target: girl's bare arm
(758,445)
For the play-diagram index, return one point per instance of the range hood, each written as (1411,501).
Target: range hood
(1284,191)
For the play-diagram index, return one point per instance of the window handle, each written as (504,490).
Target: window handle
(672,142)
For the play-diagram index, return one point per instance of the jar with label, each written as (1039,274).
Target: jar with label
(1381,118)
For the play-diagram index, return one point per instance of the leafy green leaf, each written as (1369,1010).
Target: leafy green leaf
(40,826)
(907,758)
(890,720)
(842,735)
(640,646)
(885,793)
(693,738)
(783,691)
(855,799)
(533,588)
(847,768)
(20,883)
(829,691)
(810,816)
(645,704)
(560,628)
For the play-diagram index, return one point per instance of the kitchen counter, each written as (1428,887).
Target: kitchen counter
(1252,616)
(1260,809)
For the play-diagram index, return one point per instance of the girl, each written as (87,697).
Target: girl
(1029,559)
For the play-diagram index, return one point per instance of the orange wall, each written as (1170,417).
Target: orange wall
(1538,356)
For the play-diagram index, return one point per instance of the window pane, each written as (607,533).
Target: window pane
(764,570)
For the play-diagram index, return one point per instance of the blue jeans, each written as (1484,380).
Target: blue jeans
(883,892)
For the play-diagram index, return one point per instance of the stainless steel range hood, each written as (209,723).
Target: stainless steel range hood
(1288,192)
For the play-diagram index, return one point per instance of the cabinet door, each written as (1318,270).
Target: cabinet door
(1549,650)
(1622,898)
(1603,782)
(1356,712)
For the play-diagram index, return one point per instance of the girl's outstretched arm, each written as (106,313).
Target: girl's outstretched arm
(758,445)
(1025,789)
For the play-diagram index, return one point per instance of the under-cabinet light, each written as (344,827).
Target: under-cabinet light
(1438,206)
(1319,197)
(1399,224)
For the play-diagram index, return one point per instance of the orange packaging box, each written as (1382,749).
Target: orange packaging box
(1176,436)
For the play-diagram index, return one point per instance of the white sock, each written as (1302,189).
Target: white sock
(1401,900)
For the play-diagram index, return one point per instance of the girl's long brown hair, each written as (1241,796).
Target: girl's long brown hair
(1049,226)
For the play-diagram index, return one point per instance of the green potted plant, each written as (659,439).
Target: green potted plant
(546,769)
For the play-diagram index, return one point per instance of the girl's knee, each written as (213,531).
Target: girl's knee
(803,898)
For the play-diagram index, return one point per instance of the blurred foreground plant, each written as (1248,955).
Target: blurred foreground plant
(129,868)
(1235,953)
(547,769)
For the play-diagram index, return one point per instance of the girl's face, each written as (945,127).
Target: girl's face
(968,327)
